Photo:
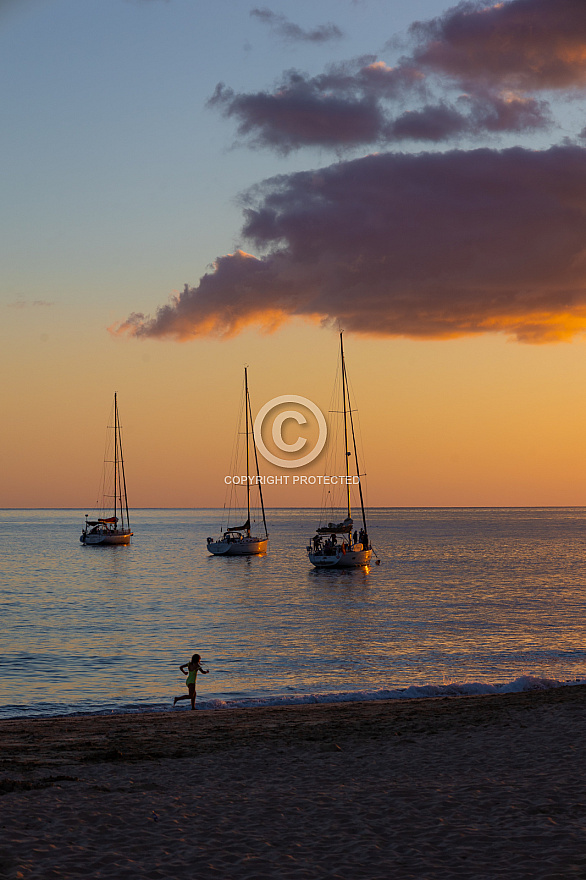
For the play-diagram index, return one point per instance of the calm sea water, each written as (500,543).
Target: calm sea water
(464,601)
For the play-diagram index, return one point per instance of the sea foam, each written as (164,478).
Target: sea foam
(456,689)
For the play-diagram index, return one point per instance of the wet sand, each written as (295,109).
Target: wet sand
(476,787)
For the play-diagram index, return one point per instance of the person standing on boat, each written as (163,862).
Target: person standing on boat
(190,670)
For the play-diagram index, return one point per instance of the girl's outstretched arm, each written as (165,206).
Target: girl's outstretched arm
(202,670)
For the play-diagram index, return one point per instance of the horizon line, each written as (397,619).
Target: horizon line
(373,507)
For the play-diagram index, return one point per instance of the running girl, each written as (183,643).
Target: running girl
(190,670)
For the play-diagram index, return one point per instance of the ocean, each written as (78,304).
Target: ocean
(464,601)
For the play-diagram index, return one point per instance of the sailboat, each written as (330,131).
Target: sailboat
(339,545)
(239,540)
(113,529)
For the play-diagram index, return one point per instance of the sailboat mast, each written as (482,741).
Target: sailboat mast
(115,453)
(264,519)
(355,449)
(346,454)
(247,455)
(123,482)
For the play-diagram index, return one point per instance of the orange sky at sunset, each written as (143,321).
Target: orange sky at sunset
(466,422)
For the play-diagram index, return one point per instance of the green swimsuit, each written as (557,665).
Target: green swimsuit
(191,676)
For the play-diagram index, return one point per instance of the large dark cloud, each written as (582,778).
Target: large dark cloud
(434,245)
(472,71)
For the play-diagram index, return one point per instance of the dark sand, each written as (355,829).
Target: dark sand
(476,787)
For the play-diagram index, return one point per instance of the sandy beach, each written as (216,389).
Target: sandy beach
(478,787)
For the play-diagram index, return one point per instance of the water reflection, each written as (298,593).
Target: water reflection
(466,595)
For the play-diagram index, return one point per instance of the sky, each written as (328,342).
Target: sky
(190,187)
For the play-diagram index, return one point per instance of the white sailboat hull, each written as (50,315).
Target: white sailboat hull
(245,547)
(350,559)
(121,536)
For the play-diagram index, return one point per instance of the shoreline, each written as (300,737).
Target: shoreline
(344,717)
(522,684)
(476,786)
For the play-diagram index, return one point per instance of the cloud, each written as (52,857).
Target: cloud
(508,112)
(348,108)
(431,123)
(242,290)
(35,304)
(521,45)
(301,113)
(281,25)
(339,108)
(470,115)
(432,246)
(476,70)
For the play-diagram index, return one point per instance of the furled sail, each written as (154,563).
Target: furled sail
(337,528)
